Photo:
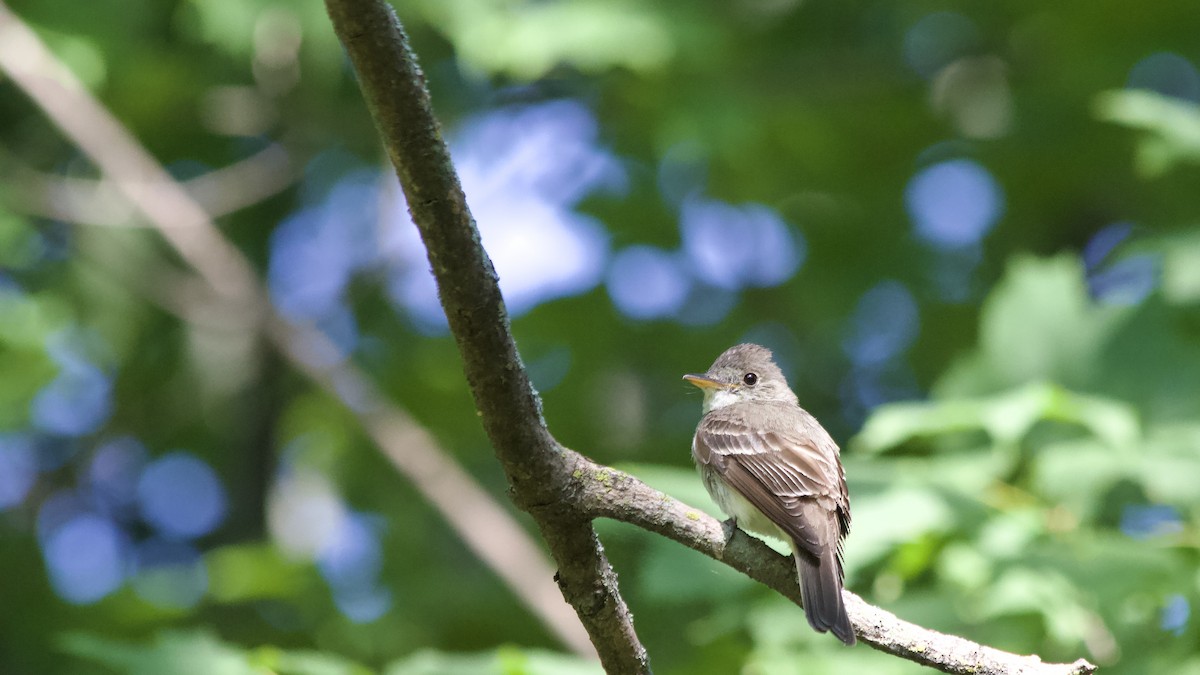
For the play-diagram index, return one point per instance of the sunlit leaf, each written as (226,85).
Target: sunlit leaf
(1006,417)
(172,653)
(1042,593)
(1181,268)
(1174,126)
(528,40)
(297,662)
(252,572)
(884,521)
(1038,325)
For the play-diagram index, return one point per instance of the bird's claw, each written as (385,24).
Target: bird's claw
(730,528)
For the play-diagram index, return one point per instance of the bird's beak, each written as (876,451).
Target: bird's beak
(703,381)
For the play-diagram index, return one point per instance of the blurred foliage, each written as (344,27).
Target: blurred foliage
(989,294)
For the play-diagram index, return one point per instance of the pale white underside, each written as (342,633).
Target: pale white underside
(748,517)
(732,504)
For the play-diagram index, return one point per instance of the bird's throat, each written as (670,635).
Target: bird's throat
(719,398)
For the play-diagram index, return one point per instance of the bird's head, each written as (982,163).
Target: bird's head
(745,372)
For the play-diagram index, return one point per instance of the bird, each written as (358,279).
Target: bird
(774,470)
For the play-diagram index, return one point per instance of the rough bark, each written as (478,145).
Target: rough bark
(394,88)
(560,488)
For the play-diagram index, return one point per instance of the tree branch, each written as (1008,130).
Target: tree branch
(394,88)
(562,489)
(610,493)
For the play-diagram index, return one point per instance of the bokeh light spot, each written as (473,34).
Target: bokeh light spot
(954,204)
(316,251)
(351,560)
(1175,614)
(77,401)
(884,324)
(352,556)
(363,604)
(1146,521)
(169,574)
(112,476)
(86,557)
(937,39)
(181,496)
(1104,242)
(706,306)
(863,389)
(524,170)
(1128,281)
(18,469)
(732,247)
(304,512)
(646,282)
(60,507)
(1167,73)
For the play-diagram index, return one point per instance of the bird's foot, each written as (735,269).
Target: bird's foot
(730,528)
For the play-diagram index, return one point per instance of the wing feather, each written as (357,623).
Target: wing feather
(782,472)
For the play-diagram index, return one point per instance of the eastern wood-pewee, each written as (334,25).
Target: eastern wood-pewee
(774,470)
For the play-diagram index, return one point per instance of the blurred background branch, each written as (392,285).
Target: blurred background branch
(85,201)
(474,515)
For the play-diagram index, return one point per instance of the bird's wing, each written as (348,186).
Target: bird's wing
(782,473)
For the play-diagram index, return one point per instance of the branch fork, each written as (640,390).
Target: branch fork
(560,488)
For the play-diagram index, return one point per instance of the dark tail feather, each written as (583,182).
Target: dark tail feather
(821,592)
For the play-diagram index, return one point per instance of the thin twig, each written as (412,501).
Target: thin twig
(122,159)
(91,201)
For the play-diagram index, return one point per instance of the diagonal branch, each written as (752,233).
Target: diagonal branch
(394,88)
(562,489)
(90,201)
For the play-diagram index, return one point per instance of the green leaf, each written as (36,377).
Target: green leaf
(304,663)
(494,36)
(504,661)
(884,521)
(1038,325)
(1044,593)
(186,653)
(1180,255)
(1007,417)
(242,572)
(1174,126)
(172,653)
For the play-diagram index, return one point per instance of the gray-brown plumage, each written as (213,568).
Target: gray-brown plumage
(774,470)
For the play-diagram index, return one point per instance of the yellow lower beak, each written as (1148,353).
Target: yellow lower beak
(703,381)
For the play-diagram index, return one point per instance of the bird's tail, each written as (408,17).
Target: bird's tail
(821,592)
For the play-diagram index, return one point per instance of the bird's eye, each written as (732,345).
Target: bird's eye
(750,379)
